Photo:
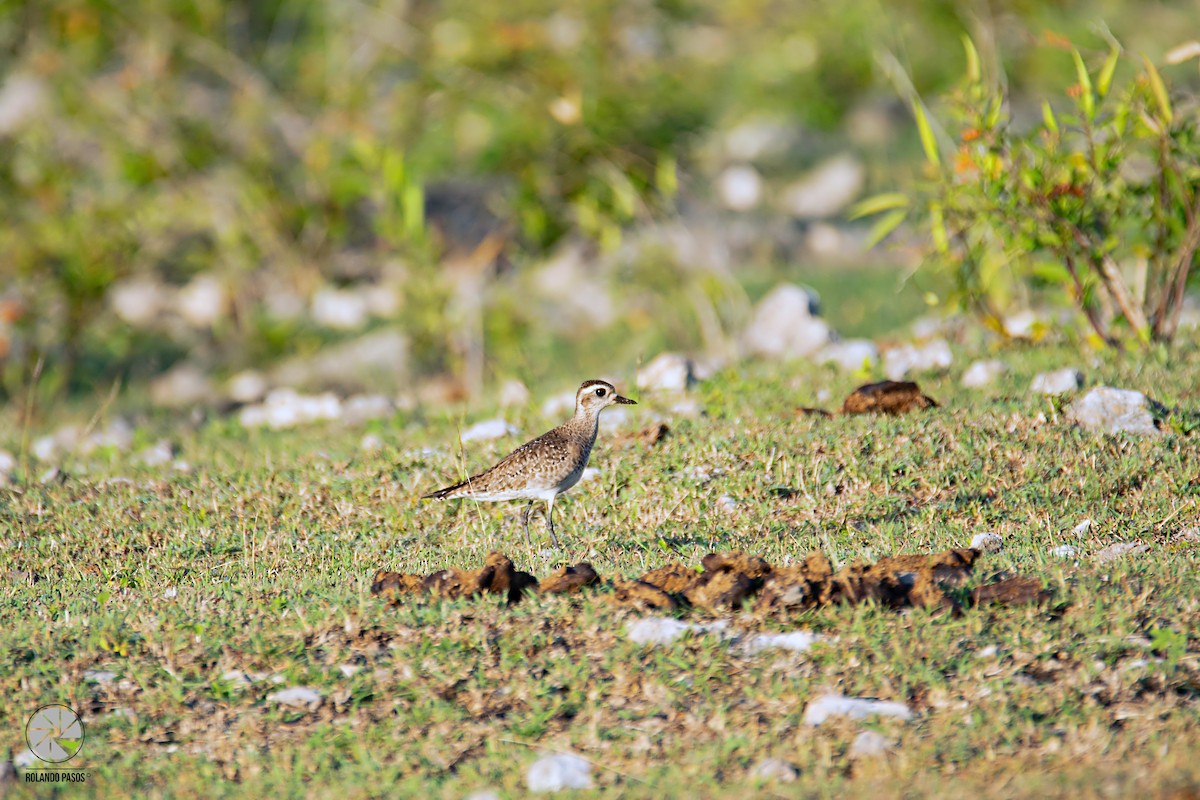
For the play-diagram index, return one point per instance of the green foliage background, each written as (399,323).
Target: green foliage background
(259,139)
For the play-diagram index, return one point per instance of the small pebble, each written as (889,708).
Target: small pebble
(870,743)
(558,771)
(774,769)
(987,542)
(836,705)
(296,697)
(1064,551)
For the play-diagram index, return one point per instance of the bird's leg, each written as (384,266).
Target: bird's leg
(525,522)
(550,521)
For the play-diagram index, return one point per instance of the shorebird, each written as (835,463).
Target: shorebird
(547,466)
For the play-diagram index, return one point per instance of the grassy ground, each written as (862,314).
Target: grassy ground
(260,561)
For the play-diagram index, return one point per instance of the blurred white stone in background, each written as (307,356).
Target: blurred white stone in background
(666,372)
(157,455)
(1060,381)
(341,309)
(138,301)
(21,99)
(577,298)
(740,187)
(899,362)
(759,137)
(487,430)
(513,394)
(202,302)
(560,405)
(827,190)
(784,325)
(286,408)
(362,408)
(981,373)
(1021,325)
(182,386)
(372,361)
(247,386)
(849,355)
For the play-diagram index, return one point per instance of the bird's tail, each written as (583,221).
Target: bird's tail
(443,493)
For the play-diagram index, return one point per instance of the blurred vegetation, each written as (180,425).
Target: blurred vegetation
(298,144)
(1099,201)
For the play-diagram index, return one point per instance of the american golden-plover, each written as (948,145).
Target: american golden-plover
(547,466)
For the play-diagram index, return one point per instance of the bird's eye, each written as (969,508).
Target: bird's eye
(600,392)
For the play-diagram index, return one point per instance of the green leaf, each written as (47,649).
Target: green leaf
(1087,97)
(1104,80)
(973,72)
(928,142)
(666,175)
(878,203)
(885,225)
(414,209)
(937,227)
(1160,91)
(1048,117)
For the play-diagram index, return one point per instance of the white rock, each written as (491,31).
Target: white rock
(368,361)
(614,419)
(296,697)
(835,705)
(349,670)
(982,373)
(156,455)
(285,408)
(26,759)
(487,430)
(1064,551)
(577,297)
(117,434)
(849,355)
(361,408)
(563,404)
(382,300)
(371,443)
(686,407)
(341,309)
(987,542)
(1119,550)
(870,743)
(202,302)
(557,771)
(774,769)
(514,394)
(1060,381)
(727,504)
(170,593)
(740,187)
(827,190)
(663,630)
(237,678)
(138,301)
(589,474)
(1108,410)
(22,98)
(1082,528)
(899,362)
(52,476)
(483,794)
(666,372)
(100,676)
(783,325)
(182,386)
(759,137)
(796,641)
(248,386)
(1021,325)
(8,462)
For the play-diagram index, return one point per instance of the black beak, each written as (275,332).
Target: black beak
(625,401)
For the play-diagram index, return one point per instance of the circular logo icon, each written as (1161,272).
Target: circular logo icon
(54,733)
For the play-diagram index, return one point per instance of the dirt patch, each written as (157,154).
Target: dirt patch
(727,581)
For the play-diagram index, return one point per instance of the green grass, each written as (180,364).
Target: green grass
(269,546)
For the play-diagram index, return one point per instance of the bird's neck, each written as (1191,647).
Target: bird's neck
(586,421)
